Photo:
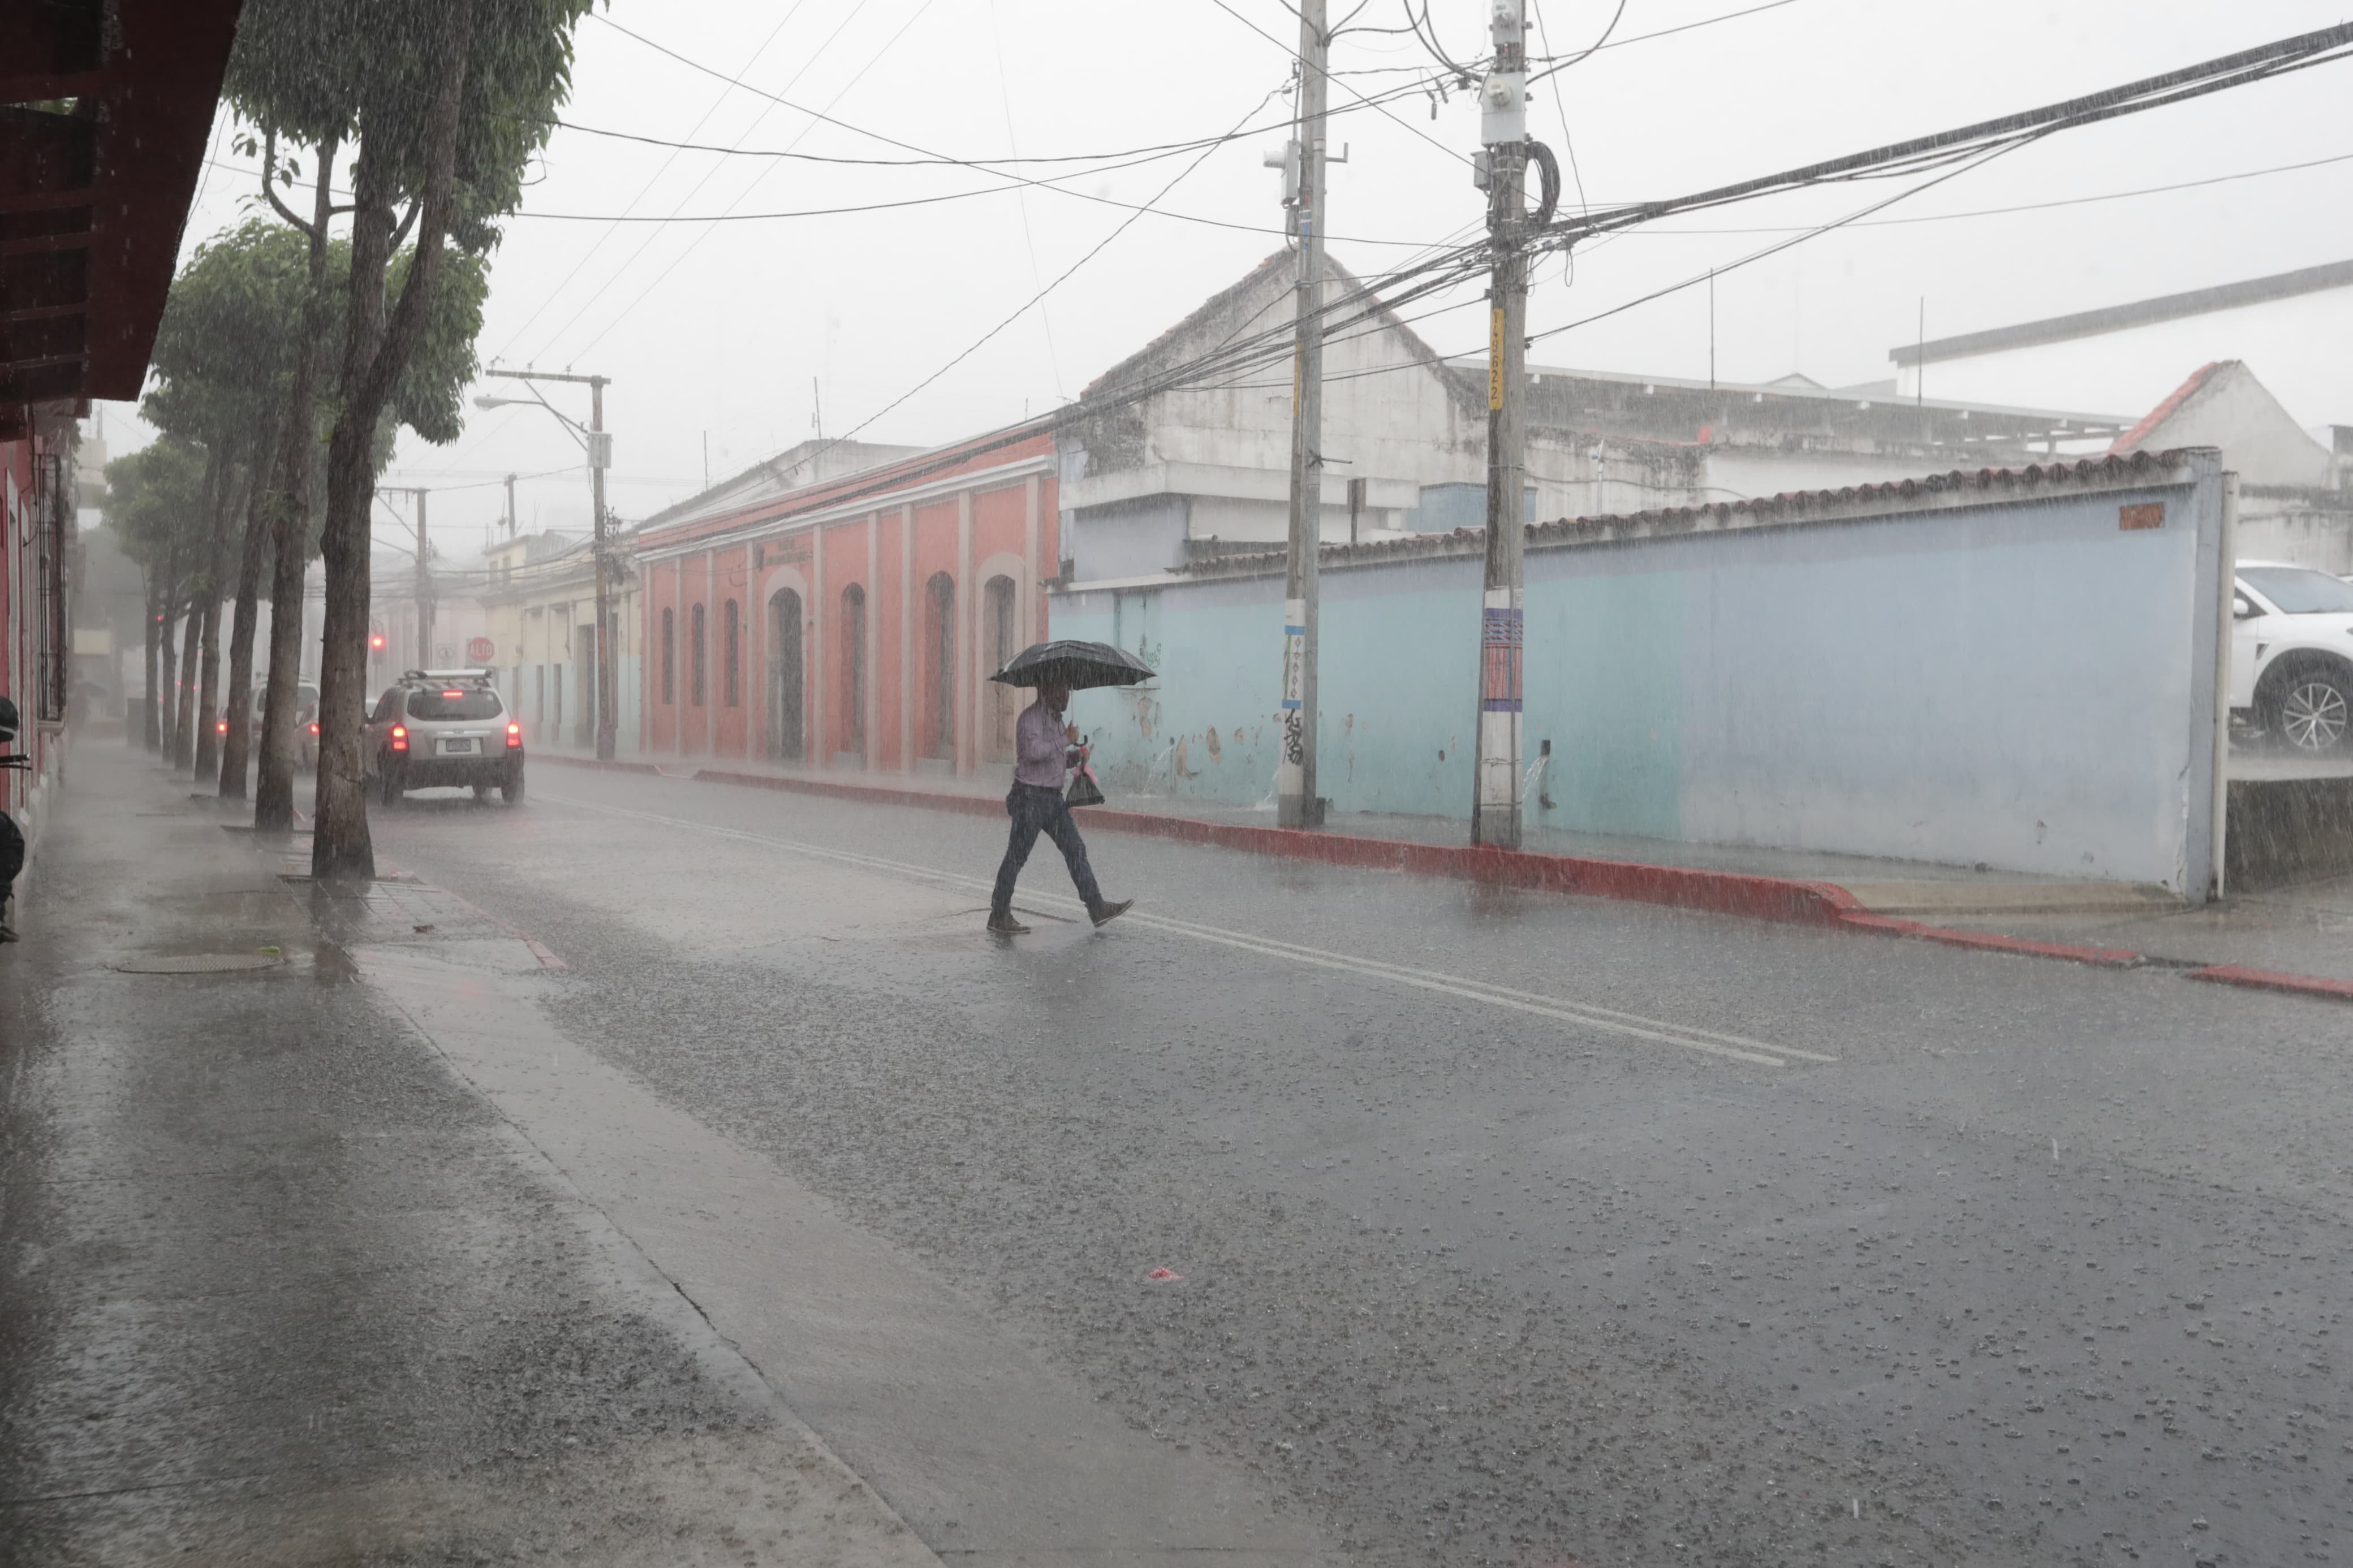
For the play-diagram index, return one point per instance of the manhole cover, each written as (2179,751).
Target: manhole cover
(194,962)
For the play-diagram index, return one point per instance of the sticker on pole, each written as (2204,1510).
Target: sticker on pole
(1499,665)
(1164,1275)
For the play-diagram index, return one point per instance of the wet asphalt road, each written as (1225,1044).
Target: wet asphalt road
(1752,1245)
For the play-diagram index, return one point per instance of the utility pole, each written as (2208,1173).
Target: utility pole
(423,589)
(511,510)
(599,446)
(600,457)
(1297,804)
(1503,128)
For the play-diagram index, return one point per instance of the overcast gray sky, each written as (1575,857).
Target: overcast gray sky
(719,329)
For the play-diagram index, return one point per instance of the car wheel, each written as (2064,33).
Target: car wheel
(512,788)
(481,792)
(2309,710)
(388,787)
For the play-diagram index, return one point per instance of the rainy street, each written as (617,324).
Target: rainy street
(1714,746)
(1509,1228)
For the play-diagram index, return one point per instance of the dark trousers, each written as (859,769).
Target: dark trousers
(12,858)
(1036,809)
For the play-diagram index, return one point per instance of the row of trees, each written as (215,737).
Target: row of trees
(284,344)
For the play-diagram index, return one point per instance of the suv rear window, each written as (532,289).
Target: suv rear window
(454,702)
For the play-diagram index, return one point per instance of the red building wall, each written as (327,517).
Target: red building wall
(861,682)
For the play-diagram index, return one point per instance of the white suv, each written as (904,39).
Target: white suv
(2292,655)
(438,728)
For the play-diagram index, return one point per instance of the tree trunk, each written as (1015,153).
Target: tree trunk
(184,705)
(206,766)
(227,503)
(151,726)
(287,508)
(374,354)
(167,714)
(238,743)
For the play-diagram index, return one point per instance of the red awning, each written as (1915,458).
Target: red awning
(105,112)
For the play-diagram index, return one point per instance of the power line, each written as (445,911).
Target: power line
(806,65)
(1343,86)
(2035,207)
(642,193)
(1609,43)
(1125,224)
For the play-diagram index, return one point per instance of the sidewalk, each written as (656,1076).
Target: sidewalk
(285,1289)
(2298,939)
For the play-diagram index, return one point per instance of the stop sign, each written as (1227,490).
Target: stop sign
(481,651)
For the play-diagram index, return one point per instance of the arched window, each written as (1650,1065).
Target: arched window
(854,668)
(670,655)
(939,647)
(731,650)
(694,656)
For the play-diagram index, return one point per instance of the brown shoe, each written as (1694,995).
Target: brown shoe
(1006,925)
(1105,913)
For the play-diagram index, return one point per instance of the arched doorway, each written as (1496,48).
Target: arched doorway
(1000,632)
(938,711)
(786,741)
(853,671)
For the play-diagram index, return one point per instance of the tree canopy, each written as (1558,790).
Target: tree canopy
(319,70)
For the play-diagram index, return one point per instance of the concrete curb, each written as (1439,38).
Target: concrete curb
(2273,980)
(1781,899)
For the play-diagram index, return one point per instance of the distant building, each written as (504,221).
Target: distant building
(2294,499)
(795,468)
(850,622)
(1199,471)
(538,593)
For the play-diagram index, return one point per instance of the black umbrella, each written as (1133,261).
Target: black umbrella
(1076,666)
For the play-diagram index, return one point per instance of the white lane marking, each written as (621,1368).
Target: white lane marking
(1736,1048)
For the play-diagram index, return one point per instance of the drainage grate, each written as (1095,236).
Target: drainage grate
(193,963)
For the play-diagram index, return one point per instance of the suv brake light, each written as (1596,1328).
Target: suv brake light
(400,737)
(514,734)
(314,726)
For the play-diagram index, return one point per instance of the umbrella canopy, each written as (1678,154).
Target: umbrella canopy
(1078,666)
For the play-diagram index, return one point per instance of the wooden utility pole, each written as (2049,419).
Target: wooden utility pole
(1502,101)
(1297,804)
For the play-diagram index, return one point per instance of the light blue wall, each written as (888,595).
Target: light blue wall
(2023,684)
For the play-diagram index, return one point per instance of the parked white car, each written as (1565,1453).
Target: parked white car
(2292,655)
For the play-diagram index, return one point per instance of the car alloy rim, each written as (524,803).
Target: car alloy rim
(2314,716)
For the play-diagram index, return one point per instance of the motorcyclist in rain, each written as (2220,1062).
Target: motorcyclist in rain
(12,841)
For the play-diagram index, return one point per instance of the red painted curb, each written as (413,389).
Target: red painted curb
(1990,941)
(1781,899)
(1680,887)
(2273,980)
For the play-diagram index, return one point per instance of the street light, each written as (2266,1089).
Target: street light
(598,442)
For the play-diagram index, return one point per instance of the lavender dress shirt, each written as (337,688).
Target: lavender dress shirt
(1041,749)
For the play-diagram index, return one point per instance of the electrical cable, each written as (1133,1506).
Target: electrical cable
(547,299)
(806,65)
(1608,43)
(1343,86)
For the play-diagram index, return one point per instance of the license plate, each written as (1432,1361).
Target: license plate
(447,747)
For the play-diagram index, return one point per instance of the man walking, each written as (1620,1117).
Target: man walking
(1044,747)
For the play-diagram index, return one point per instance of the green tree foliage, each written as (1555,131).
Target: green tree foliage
(446,101)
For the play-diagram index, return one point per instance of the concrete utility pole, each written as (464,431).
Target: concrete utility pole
(511,510)
(599,446)
(1297,804)
(1503,128)
(423,589)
